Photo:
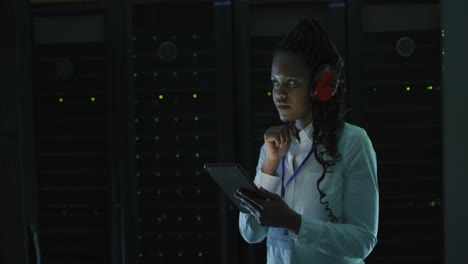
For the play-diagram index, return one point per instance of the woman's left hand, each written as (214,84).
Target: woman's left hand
(269,209)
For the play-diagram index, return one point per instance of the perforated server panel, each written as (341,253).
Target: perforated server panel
(176,113)
(70,90)
(401,105)
(15,123)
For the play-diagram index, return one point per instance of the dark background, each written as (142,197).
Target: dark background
(103,139)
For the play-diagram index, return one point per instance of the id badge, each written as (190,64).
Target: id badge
(278,237)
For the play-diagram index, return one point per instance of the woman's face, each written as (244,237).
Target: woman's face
(290,77)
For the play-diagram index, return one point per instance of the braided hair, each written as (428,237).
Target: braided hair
(309,40)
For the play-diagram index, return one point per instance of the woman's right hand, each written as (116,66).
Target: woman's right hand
(277,142)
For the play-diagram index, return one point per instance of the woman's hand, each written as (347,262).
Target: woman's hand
(269,209)
(277,142)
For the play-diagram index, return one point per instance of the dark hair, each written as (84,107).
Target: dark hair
(309,40)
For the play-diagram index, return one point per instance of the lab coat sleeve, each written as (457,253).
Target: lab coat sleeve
(357,235)
(249,227)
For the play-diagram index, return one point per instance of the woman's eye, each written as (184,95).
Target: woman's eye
(275,83)
(292,82)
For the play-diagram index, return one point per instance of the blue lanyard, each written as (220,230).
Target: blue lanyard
(283,187)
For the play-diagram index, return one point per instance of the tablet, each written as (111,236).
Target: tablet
(231,177)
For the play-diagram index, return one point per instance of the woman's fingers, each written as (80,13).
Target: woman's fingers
(281,136)
(273,138)
(249,199)
(251,210)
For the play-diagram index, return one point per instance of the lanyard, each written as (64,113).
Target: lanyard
(283,187)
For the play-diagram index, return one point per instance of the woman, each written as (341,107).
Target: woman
(318,200)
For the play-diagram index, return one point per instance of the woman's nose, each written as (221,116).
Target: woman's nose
(280,92)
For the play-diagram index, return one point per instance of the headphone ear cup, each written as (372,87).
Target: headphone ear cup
(323,91)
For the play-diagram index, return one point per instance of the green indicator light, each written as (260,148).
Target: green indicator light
(200,254)
(136,120)
(195,96)
(429,88)
(196,118)
(433,203)
(177,155)
(93,99)
(137,138)
(154,37)
(158,174)
(195,54)
(198,218)
(197,173)
(60,100)
(408,88)
(156,120)
(156,138)
(197,155)
(269,93)
(135,75)
(137,156)
(155,74)
(161,97)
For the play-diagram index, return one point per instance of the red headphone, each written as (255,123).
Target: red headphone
(327,79)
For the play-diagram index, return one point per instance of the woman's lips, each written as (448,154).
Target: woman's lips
(282,107)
